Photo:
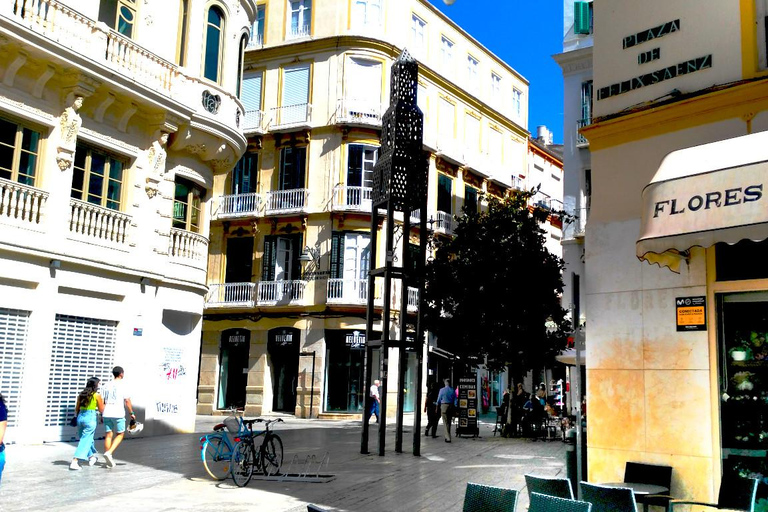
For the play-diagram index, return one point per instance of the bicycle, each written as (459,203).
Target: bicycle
(246,459)
(216,448)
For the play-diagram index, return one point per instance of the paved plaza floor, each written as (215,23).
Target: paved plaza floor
(165,473)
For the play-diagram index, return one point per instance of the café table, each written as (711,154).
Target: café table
(640,489)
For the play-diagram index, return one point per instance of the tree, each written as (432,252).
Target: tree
(494,289)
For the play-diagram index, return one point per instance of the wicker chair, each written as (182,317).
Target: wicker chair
(558,487)
(639,473)
(608,499)
(736,493)
(486,498)
(544,503)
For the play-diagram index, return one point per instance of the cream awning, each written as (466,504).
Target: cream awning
(704,195)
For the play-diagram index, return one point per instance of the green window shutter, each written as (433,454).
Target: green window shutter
(268,259)
(581,18)
(337,255)
(295,263)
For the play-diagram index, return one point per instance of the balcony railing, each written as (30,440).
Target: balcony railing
(253,121)
(286,201)
(360,112)
(444,223)
(270,293)
(186,245)
(517,182)
(98,223)
(291,116)
(256,40)
(240,205)
(347,291)
(576,224)
(413,300)
(582,141)
(230,295)
(297,31)
(91,39)
(21,203)
(356,199)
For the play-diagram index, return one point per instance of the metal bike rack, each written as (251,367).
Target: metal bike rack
(308,469)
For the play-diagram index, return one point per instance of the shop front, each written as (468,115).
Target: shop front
(283,349)
(345,371)
(233,368)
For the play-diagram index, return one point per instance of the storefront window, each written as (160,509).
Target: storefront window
(743,353)
(345,371)
(233,368)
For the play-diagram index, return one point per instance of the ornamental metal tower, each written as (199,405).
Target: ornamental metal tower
(399,185)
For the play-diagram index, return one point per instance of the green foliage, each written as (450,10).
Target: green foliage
(492,287)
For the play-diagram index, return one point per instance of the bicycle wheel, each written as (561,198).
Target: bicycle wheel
(242,463)
(272,454)
(216,457)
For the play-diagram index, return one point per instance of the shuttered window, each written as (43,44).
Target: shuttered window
(582,17)
(251,95)
(364,81)
(444,193)
(337,255)
(81,348)
(362,159)
(295,85)
(281,259)
(14,325)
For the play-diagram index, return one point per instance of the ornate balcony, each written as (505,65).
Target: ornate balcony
(98,224)
(240,206)
(280,293)
(359,112)
(286,201)
(355,199)
(21,204)
(230,295)
(291,117)
(188,247)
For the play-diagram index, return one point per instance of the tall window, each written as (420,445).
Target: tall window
(582,17)
(586,102)
(245,174)
(19,148)
(214,43)
(181,49)
(418,30)
(251,97)
(97,177)
(363,83)
(257,34)
(293,163)
(444,193)
(295,97)
(119,15)
(350,256)
(360,164)
(281,259)
(496,88)
(517,103)
(472,66)
(187,202)
(366,13)
(470,199)
(299,18)
(240,59)
(446,53)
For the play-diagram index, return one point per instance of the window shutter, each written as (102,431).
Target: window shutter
(354,165)
(268,259)
(296,86)
(364,81)
(295,251)
(337,255)
(581,17)
(251,93)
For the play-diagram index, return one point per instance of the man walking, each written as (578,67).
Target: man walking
(116,399)
(444,401)
(373,396)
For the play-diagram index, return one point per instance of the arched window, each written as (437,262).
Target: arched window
(214,44)
(181,50)
(240,58)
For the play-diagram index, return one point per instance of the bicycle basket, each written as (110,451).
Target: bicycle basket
(232,424)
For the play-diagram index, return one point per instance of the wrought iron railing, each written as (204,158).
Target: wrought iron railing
(290,115)
(347,291)
(351,198)
(280,293)
(357,111)
(240,205)
(230,295)
(286,201)
(580,139)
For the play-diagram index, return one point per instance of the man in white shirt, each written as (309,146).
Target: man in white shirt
(116,399)
(375,399)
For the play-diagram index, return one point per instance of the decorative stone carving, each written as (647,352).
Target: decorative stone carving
(211,102)
(69,125)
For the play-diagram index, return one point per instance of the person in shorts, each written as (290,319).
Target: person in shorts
(116,400)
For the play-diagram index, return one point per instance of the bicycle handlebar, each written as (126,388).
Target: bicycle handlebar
(267,423)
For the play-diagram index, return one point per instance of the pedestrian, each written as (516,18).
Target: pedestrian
(3,425)
(116,399)
(375,399)
(445,399)
(88,402)
(432,409)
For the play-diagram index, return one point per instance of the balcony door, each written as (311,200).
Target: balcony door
(350,262)
(360,162)
(233,368)
(283,347)
(281,258)
(239,260)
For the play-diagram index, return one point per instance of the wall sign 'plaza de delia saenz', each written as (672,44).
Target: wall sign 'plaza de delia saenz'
(659,75)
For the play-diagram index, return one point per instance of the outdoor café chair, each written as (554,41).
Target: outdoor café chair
(558,487)
(736,493)
(653,474)
(486,498)
(544,503)
(608,499)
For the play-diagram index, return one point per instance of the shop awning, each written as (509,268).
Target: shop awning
(704,195)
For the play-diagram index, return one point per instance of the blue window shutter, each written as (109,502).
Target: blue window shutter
(296,85)
(251,93)
(581,18)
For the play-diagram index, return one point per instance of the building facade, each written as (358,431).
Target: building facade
(284,325)
(116,119)
(676,295)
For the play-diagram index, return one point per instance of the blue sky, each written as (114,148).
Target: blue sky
(525,34)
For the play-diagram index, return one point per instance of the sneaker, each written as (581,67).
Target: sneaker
(74,466)
(110,462)
(92,460)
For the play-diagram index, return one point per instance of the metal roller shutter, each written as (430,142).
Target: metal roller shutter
(14,325)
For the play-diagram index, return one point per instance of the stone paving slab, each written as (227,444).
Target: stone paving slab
(165,473)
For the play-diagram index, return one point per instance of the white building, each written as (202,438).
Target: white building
(115,118)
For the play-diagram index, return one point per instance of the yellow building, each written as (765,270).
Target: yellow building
(676,352)
(290,239)
(116,119)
